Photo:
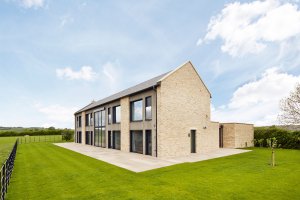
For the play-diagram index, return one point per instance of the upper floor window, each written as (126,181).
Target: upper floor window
(109,115)
(117,114)
(100,118)
(79,121)
(148,108)
(136,110)
(89,119)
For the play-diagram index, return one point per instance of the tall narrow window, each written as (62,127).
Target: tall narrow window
(109,115)
(91,119)
(117,114)
(87,119)
(148,108)
(100,133)
(136,110)
(79,121)
(116,140)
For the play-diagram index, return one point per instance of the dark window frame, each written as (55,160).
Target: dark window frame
(99,128)
(131,111)
(114,119)
(137,132)
(79,121)
(109,115)
(148,119)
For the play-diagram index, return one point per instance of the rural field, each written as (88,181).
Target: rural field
(46,171)
(7,143)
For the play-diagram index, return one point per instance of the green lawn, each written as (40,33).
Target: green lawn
(6,145)
(45,171)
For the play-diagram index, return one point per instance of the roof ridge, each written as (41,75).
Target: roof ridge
(130,90)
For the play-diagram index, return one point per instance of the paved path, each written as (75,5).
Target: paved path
(138,162)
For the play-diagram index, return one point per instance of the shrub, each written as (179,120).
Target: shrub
(285,138)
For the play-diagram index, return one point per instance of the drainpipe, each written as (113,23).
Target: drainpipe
(155,120)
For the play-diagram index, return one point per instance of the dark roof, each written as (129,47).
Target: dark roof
(137,88)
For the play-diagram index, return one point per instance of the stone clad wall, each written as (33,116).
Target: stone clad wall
(83,128)
(237,135)
(125,120)
(183,105)
(228,135)
(244,134)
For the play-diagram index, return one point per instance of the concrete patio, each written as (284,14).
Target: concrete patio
(138,162)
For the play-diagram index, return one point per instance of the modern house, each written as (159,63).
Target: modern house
(166,116)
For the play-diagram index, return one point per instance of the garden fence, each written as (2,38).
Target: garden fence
(40,138)
(6,171)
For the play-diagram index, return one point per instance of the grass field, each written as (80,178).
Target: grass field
(45,171)
(6,143)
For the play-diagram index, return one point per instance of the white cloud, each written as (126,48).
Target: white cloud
(57,115)
(258,101)
(85,73)
(248,27)
(65,20)
(32,3)
(112,72)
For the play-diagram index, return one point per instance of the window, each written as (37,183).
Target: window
(79,121)
(136,141)
(109,115)
(89,137)
(136,110)
(148,108)
(148,142)
(116,144)
(100,136)
(78,137)
(89,119)
(103,118)
(117,114)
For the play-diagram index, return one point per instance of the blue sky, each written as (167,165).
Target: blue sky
(57,56)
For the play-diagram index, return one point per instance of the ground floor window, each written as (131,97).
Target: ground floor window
(100,137)
(114,140)
(148,142)
(136,141)
(89,137)
(78,137)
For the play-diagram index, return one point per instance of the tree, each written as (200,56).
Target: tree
(67,135)
(272,143)
(290,108)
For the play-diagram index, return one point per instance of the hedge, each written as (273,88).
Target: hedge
(285,138)
(37,132)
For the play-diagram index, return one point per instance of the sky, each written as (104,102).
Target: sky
(58,56)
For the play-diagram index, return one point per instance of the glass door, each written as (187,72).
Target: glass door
(136,141)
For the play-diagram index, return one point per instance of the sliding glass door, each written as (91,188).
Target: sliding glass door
(136,141)
(116,140)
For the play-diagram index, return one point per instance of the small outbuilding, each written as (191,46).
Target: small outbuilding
(236,135)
